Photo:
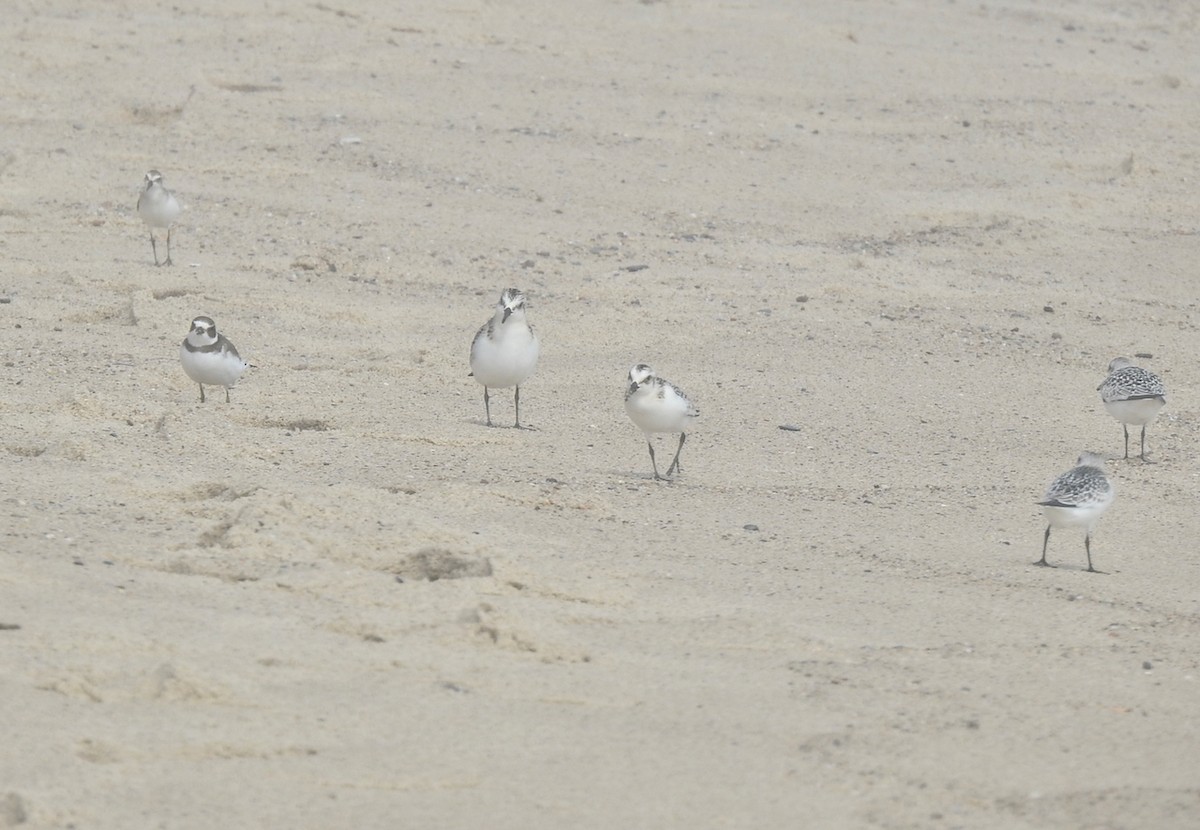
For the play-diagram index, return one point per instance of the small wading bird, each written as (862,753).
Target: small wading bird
(657,405)
(159,209)
(1132,395)
(210,358)
(1077,498)
(505,351)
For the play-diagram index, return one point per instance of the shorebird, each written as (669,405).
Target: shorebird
(159,209)
(1132,395)
(505,351)
(1077,498)
(657,405)
(210,358)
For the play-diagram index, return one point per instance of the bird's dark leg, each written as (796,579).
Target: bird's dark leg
(487,409)
(653,463)
(1087,545)
(226,394)
(154,247)
(517,405)
(1143,442)
(1126,428)
(201,393)
(168,260)
(675,468)
(1045,541)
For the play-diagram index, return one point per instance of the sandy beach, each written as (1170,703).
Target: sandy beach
(913,234)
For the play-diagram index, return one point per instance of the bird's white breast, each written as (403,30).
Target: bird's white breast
(158,207)
(650,413)
(507,358)
(216,368)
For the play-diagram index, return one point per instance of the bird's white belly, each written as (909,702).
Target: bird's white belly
(160,213)
(654,415)
(1137,412)
(507,361)
(1074,516)
(213,368)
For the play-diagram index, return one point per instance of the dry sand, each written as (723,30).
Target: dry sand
(917,231)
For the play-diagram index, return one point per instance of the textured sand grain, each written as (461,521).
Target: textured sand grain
(918,232)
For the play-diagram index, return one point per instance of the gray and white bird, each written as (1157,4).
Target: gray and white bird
(158,208)
(656,405)
(210,358)
(1077,498)
(505,351)
(1132,395)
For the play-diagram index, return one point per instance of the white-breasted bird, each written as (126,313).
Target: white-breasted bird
(1077,498)
(505,351)
(158,208)
(1132,395)
(657,405)
(209,357)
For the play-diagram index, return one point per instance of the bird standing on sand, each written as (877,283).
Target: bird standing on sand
(505,351)
(1077,498)
(210,358)
(1132,395)
(657,405)
(159,209)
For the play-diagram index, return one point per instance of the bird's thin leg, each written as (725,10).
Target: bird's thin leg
(168,261)
(1045,541)
(1087,545)
(226,394)
(201,393)
(154,247)
(675,463)
(1143,442)
(1126,428)
(517,405)
(653,463)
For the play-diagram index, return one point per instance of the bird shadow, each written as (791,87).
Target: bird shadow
(1070,567)
(494,425)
